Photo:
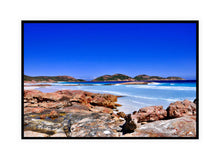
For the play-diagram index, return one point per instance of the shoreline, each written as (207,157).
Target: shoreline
(54,109)
(132,95)
(165,80)
(91,83)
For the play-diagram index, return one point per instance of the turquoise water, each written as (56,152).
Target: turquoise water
(135,96)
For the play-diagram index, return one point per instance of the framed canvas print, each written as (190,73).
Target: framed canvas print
(110,79)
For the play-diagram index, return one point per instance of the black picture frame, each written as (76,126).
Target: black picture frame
(109,21)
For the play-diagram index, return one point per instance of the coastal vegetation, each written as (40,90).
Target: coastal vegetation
(52,79)
(143,77)
(115,77)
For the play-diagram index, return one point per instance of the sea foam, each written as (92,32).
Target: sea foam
(162,87)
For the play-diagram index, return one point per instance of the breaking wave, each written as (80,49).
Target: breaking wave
(162,87)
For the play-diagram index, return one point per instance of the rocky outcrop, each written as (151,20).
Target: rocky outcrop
(104,100)
(95,125)
(181,108)
(154,121)
(195,101)
(54,114)
(129,126)
(178,127)
(34,134)
(149,114)
(39,100)
(121,114)
(76,113)
(69,113)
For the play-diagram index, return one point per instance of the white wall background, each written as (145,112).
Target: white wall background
(11,14)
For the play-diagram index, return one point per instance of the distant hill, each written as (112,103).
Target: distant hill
(115,77)
(175,78)
(51,78)
(142,77)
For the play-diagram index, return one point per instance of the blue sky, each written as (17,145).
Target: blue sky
(89,50)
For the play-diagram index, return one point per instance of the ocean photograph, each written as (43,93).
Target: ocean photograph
(110,79)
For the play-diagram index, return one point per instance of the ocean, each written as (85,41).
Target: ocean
(134,97)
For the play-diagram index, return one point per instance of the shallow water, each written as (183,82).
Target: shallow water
(135,96)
